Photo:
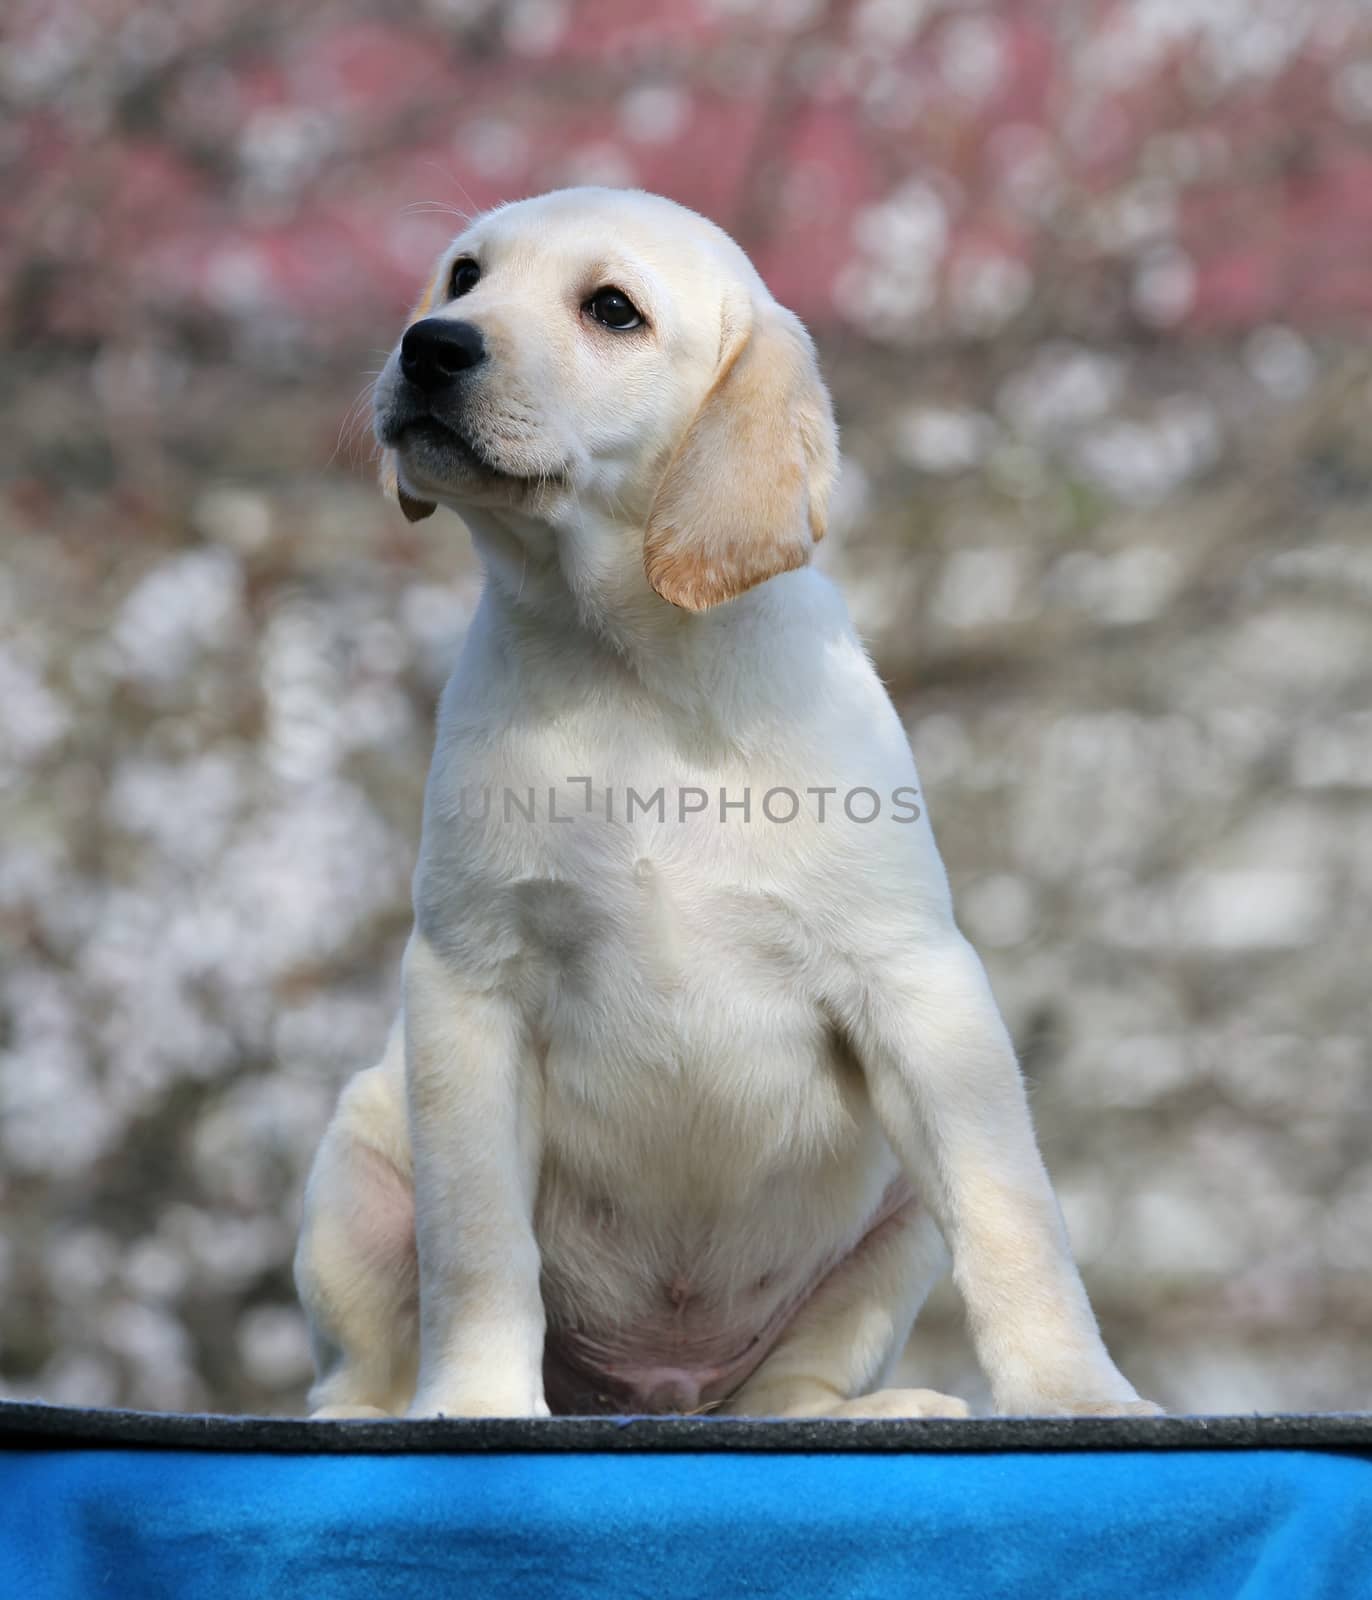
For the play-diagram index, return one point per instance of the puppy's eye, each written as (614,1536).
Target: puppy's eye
(614,309)
(466,275)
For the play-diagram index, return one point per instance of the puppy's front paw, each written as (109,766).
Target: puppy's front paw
(349,1413)
(1114,1408)
(485,1404)
(1083,1405)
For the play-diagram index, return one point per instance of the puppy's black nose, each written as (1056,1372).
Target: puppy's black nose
(434,351)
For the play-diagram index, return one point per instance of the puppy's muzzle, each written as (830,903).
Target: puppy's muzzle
(437,351)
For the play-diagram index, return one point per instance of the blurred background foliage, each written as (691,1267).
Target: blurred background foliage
(1091,281)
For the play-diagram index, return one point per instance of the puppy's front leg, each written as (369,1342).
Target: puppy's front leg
(947,1089)
(475,1125)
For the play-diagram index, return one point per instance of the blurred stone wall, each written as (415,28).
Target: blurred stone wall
(1089,282)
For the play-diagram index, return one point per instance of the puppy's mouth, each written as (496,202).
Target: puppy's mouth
(434,448)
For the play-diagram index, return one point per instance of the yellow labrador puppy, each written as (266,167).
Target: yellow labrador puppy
(697,1085)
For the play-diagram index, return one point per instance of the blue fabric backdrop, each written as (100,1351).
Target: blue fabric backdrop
(76,1524)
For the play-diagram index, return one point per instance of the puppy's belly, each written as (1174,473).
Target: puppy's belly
(681,1348)
(710,1155)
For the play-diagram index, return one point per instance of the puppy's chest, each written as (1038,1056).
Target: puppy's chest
(641,932)
(656,951)
(677,1041)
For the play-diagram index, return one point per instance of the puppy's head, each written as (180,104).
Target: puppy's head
(610,353)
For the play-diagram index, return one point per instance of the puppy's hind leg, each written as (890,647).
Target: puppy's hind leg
(844,1340)
(355,1265)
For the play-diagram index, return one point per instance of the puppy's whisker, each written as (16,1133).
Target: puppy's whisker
(451,176)
(435,208)
(354,420)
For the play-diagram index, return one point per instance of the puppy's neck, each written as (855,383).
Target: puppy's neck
(577,577)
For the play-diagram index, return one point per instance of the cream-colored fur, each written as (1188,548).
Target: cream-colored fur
(689,1096)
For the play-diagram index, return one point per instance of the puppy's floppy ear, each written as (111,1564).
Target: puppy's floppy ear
(747,493)
(415,510)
